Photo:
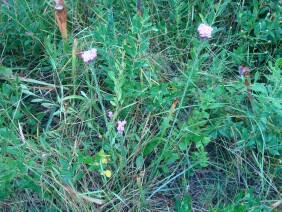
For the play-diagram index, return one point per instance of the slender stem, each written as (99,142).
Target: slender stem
(73,60)
(99,94)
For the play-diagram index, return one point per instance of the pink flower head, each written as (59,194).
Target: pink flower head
(88,56)
(205,31)
(242,70)
(120,127)
(110,114)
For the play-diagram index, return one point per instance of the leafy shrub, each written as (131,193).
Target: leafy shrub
(196,132)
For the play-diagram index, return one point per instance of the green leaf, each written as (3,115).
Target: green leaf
(139,161)
(47,105)
(144,46)
(184,204)
(4,71)
(75,97)
(172,158)
(136,24)
(165,169)
(113,103)
(259,87)
(151,145)
(89,160)
(182,145)
(202,17)
(278,62)
(38,100)
(111,74)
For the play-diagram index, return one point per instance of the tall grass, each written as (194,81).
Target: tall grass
(198,136)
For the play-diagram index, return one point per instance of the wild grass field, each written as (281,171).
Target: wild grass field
(144,105)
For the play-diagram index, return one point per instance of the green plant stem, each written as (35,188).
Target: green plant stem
(193,68)
(66,45)
(139,184)
(99,94)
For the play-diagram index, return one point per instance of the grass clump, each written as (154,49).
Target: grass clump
(155,117)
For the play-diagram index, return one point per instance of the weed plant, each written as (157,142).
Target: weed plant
(160,120)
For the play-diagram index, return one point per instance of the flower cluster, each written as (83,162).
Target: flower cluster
(205,31)
(120,127)
(242,70)
(110,114)
(120,124)
(88,56)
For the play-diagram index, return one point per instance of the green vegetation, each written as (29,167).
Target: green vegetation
(198,136)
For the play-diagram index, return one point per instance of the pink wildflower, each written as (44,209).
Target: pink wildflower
(205,31)
(242,70)
(88,56)
(110,114)
(120,127)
